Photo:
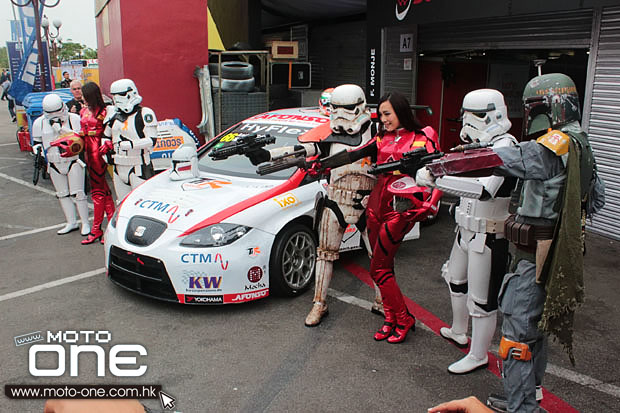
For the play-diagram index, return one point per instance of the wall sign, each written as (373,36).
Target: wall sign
(406,42)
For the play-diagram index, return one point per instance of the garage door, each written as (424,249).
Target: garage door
(571,29)
(604,120)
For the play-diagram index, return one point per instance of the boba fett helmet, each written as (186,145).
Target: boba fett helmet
(549,101)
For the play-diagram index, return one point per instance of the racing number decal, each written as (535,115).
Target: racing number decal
(229,137)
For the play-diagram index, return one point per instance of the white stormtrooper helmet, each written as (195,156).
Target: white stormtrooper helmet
(125,95)
(348,109)
(55,110)
(484,116)
(184,163)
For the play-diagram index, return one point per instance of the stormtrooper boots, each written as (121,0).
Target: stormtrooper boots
(68,208)
(482,330)
(460,318)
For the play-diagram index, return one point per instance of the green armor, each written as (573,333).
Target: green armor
(550,101)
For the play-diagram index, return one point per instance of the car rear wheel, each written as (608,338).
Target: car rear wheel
(293,257)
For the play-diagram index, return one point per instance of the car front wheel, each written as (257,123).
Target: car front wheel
(293,257)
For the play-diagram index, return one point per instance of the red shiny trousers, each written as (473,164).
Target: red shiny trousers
(100,192)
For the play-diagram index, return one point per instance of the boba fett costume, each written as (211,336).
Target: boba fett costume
(559,189)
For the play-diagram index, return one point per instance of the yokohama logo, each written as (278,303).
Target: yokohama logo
(239,298)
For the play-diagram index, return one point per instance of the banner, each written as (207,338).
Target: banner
(26,78)
(15,54)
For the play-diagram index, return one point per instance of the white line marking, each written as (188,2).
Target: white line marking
(32,231)
(6,158)
(36,230)
(51,284)
(552,369)
(10,143)
(28,184)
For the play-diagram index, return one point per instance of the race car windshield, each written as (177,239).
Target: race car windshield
(239,165)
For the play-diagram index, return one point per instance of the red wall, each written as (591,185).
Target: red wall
(158,48)
(110,56)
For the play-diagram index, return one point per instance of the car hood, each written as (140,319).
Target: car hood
(183,204)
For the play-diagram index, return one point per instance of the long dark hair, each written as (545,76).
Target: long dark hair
(92,96)
(402,110)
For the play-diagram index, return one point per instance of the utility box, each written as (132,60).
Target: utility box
(236,106)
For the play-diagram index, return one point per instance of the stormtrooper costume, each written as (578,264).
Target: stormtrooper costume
(478,259)
(130,136)
(65,168)
(349,185)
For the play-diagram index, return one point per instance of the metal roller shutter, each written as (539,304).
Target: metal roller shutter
(532,31)
(604,120)
(395,77)
(337,54)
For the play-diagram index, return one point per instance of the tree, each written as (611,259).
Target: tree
(4,58)
(72,51)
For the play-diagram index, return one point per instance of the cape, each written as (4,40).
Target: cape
(564,284)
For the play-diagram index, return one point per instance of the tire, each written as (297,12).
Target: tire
(213,69)
(237,70)
(230,85)
(292,261)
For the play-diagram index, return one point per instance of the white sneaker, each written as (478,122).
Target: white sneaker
(71,226)
(460,340)
(468,364)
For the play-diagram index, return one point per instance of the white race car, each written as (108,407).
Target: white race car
(226,235)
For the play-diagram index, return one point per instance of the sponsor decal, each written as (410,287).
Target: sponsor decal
(255,274)
(249,296)
(286,200)
(168,144)
(204,299)
(164,208)
(273,129)
(204,183)
(200,258)
(254,286)
(254,252)
(280,117)
(79,342)
(139,232)
(204,283)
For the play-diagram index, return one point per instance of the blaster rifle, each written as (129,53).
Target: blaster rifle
(470,146)
(243,145)
(408,164)
(279,163)
(39,164)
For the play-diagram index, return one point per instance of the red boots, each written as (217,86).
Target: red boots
(404,322)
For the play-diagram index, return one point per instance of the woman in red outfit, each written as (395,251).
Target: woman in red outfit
(390,216)
(92,116)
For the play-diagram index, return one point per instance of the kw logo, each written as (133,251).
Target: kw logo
(205,282)
(287,200)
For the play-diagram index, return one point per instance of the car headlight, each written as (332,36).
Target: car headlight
(215,235)
(115,217)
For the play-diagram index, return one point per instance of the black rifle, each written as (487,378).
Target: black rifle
(408,164)
(469,146)
(39,164)
(243,145)
(298,159)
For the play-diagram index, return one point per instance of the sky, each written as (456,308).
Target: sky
(77,16)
